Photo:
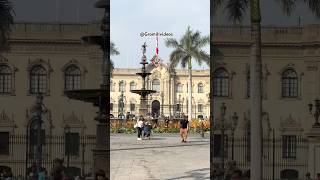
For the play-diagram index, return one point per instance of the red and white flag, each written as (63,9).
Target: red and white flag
(156,59)
(157,48)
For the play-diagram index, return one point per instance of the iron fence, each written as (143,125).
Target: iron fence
(21,156)
(283,158)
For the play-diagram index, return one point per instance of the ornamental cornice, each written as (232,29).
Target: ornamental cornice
(248,44)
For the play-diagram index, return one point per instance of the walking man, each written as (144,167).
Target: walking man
(184,128)
(140,124)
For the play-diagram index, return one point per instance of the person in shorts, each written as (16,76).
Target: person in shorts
(184,126)
(140,125)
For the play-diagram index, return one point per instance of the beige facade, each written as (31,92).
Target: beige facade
(290,67)
(171,91)
(41,58)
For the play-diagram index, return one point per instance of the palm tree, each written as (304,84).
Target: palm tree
(188,47)
(236,10)
(6,22)
(113,51)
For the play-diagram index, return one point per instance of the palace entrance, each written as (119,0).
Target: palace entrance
(155,109)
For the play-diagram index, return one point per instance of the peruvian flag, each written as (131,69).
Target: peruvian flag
(157,48)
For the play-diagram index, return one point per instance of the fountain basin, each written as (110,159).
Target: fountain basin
(87,95)
(143,92)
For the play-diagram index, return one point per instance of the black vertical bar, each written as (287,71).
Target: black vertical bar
(273,155)
(27,150)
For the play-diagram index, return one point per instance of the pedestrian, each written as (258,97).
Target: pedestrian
(308,176)
(318,176)
(246,175)
(139,126)
(42,174)
(147,130)
(100,175)
(236,175)
(184,128)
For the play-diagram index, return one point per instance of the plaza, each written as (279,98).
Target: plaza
(163,157)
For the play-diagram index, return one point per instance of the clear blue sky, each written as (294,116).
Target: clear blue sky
(129,18)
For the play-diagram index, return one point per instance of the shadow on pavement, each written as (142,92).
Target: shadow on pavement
(198,174)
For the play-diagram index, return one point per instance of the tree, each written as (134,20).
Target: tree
(188,47)
(6,22)
(236,10)
(113,51)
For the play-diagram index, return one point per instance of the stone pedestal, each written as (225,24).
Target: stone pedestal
(314,151)
(143,110)
(101,153)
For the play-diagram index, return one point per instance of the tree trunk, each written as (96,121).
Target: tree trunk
(190,91)
(211,116)
(255,93)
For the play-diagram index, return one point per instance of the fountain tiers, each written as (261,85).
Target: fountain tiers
(143,92)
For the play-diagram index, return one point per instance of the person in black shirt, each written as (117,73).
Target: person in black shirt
(184,128)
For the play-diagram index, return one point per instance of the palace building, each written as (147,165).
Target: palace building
(171,98)
(50,58)
(290,81)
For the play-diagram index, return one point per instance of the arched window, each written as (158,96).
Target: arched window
(289,83)
(5,79)
(121,86)
(72,77)
(200,107)
(179,88)
(200,88)
(111,106)
(156,85)
(132,86)
(38,80)
(111,86)
(221,83)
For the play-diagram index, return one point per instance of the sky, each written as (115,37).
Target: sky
(171,16)
(131,17)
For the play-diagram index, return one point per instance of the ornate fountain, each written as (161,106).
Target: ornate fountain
(143,92)
(100,97)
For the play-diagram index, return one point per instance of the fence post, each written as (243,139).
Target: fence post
(273,154)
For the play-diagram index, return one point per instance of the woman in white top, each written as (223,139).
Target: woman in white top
(140,124)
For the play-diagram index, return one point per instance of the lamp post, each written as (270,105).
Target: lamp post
(316,113)
(233,128)
(121,105)
(179,107)
(162,101)
(223,109)
(67,135)
(38,117)
(182,105)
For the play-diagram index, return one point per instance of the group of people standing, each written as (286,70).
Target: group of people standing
(146,127)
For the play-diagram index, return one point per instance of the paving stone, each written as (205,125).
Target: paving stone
(163,157)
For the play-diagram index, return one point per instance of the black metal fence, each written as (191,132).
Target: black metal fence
(284,157)
(21,156)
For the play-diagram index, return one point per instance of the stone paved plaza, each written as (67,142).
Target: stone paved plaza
(163,157)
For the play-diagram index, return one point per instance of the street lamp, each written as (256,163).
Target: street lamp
(179,106)
(121,105)
(316,113)
(68,141)
(162,101)
(38,117)
(182,105)
(233,127)
(223,109)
